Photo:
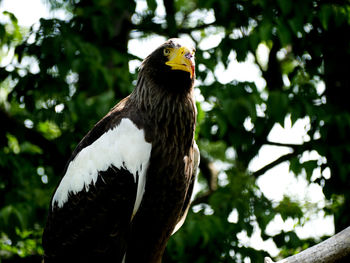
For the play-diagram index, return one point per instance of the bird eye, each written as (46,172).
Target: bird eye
(166,51)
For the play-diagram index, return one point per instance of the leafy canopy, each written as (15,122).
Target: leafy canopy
(60,77)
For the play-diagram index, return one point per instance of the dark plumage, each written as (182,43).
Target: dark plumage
(96,219)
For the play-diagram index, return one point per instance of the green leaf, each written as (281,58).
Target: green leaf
(295,166)
(277,104)
(49,129)
(152,4)
(11,16)
(288,208)
(296,24)
(284,34)
(309,167)
(325,14)
(285,6)
(13,143)
(265,30)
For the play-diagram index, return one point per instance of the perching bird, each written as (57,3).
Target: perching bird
(128,184)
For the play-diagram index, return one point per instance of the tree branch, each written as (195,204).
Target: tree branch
(170,17)
(279,160)
(132,56)
(273,75)
(210,173)
(330,250)
(291,145)
(187,30)
(148,27)
(297,149)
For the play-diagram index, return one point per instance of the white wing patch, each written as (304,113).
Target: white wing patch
(124,146)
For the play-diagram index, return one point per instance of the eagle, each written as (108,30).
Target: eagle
(127,186)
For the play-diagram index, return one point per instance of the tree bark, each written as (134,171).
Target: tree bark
(330,250)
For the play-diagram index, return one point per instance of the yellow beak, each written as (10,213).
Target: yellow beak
(181,59)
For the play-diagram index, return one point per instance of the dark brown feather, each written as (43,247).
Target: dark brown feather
(162,105)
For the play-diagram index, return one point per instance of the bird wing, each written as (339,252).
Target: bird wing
(100,192)
(191,164)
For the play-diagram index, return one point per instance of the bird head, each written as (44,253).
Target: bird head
(171,65)
(179,56)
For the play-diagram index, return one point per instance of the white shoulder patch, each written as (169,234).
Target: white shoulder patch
(124,146)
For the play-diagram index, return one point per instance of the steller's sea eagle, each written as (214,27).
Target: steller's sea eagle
(128,184)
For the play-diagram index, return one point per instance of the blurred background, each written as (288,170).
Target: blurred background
(273,114)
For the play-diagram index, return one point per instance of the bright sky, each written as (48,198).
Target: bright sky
(277,181)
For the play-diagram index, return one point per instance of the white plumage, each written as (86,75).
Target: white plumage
(124,146)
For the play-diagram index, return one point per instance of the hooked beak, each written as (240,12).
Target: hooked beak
(181,59)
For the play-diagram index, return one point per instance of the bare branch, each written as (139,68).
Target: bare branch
(278,161)
(290,145)
(153,28)
(297,149)
(188,30)
(132,56)
(328,251)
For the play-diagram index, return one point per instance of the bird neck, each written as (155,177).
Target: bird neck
(163,103)
(174,114)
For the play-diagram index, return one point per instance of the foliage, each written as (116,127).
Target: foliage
(64,75)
